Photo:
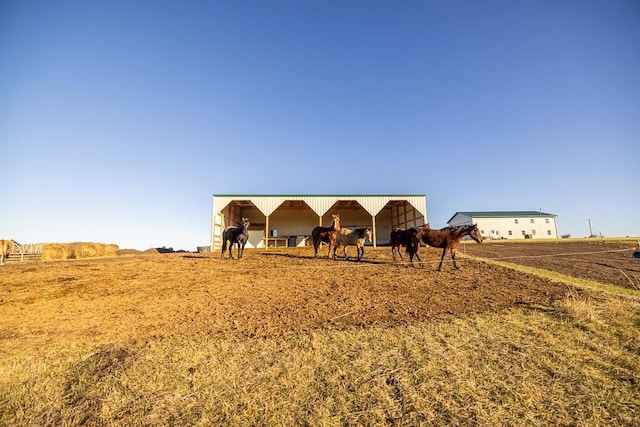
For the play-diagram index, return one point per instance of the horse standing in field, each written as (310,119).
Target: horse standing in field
(447,238)
(326,234)
(5,249)
(238,235)
(400,237)
(356,238)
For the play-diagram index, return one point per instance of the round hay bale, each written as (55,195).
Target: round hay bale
(53,251)
(79,250)
(109,249)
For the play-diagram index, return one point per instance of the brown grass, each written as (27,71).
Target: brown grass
(164,340)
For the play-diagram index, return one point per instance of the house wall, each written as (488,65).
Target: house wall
(507,228)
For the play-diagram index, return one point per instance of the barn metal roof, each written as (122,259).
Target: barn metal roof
(320,203)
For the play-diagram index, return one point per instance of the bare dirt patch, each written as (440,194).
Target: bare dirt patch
(602,261)
(268,293)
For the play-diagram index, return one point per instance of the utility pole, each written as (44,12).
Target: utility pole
(590,231)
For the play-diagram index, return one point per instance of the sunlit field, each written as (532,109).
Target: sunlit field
(283,338)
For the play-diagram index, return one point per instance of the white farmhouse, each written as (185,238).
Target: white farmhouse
(510,224)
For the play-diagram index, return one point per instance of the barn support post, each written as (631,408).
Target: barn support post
(375,233)
(217,230)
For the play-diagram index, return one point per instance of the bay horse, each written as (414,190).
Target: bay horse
(326,234)
(447,238)
(5,249)
(400,237)
(357,238)
(235,235)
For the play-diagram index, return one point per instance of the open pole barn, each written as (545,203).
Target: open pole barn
(287,220)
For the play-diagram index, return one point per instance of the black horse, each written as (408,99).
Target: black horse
(239,235)
(400,237)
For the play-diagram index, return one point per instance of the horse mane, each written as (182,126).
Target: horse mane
(360,231)
(335,223)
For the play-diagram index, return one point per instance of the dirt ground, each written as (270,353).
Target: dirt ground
(268,293)
(602,261)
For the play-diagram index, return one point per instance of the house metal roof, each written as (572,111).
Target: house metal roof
(504,214)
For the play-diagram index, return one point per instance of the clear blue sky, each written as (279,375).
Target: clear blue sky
(120,119)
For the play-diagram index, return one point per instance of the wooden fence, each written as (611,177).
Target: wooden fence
(26,252)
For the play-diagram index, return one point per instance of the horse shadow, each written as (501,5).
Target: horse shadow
(338,258)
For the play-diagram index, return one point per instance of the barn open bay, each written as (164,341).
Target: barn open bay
(283,338)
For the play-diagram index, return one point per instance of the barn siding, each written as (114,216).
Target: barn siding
(293,222)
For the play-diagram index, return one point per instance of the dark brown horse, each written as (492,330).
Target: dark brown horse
(447,238)
(400,237)
(326,234)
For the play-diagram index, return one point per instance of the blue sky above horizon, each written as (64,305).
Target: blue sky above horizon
(119,120)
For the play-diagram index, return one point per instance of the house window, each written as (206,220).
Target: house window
(516,220)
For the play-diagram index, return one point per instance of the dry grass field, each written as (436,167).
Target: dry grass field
(282,338)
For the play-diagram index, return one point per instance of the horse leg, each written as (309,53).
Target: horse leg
(414,252)
(444,252)
(413,246)
(453,257)
(316,243)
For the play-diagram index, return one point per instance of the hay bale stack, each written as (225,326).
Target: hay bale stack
(77,250)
